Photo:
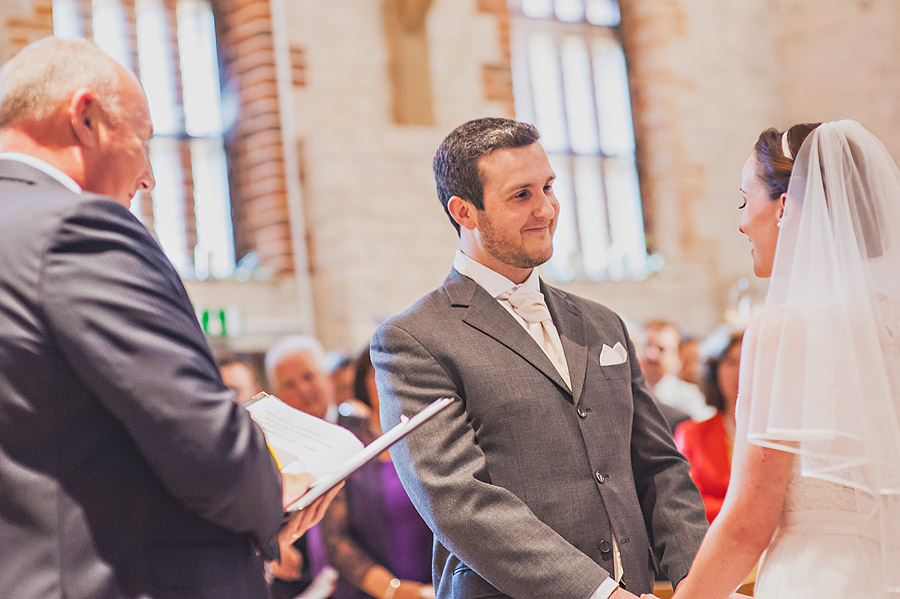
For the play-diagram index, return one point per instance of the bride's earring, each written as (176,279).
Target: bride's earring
(778,224)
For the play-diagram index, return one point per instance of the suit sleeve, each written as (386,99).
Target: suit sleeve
(445,474)
(671,504)
(117,310)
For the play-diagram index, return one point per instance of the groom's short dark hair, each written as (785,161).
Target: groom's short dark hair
(455,163)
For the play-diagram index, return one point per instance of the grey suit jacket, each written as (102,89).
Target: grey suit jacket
(125,468)
(522,481)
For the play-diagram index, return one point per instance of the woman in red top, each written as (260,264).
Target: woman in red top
(707,444)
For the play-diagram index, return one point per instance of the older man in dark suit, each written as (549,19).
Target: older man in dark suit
(125,469)
(554,475)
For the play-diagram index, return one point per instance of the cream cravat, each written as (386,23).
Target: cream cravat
(529,304)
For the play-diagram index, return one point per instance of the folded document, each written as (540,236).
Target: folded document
(331,453)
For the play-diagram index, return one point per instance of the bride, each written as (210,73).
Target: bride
(816,475)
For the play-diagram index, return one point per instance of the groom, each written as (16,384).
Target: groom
(555,474)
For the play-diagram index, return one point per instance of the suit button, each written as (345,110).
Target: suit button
(605,546)
(600,478)
(582,412)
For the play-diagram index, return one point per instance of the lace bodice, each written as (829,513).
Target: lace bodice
(813,494)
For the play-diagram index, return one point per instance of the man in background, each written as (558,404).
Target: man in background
(125,469)
(295,369)
(239,376)
(296,372)
(661,363)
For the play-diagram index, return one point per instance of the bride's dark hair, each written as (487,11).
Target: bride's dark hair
(774,167)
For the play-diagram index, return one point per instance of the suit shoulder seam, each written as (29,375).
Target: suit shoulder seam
(409,333)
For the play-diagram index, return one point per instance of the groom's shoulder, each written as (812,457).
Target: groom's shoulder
(425,313)
(587,306)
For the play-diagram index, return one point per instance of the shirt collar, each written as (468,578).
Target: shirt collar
(492,281)
(44,167)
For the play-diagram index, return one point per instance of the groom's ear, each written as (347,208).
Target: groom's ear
(463,212)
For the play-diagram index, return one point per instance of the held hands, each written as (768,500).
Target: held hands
(621,593)
(732,596)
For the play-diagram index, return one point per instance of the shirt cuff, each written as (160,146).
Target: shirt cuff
(605,589)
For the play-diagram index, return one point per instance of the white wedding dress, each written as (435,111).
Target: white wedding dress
(824,546)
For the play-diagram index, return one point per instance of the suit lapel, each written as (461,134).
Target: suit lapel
(485,313)
(569,323)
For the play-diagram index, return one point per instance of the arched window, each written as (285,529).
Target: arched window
(570,80)
(172,48)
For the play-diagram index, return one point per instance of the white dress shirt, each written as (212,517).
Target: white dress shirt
(492,281)
(683,395)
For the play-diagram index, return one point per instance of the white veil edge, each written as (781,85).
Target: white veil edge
(825,373)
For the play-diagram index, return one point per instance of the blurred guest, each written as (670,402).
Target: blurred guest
(708,444)
(341,368)
(661,364)
(673,415)
(373,535)
(295,368)
(240,377)
(689,353)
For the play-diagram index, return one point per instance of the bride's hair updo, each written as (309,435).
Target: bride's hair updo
(775,152)
(774,166)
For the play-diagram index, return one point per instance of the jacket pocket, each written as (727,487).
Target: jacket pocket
(616,371)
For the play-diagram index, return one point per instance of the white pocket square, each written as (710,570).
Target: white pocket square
(610,356)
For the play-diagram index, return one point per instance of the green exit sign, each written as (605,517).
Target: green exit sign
(221,322)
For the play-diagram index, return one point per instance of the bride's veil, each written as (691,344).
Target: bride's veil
(825,380)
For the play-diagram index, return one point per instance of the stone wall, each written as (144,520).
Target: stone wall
(352,230)
(378,237)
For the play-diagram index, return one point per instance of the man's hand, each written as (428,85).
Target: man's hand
(621,593)
(295,485)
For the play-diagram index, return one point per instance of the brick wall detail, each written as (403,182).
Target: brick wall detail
(259,190)
(21,24)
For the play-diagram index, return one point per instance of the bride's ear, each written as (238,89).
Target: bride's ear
(781,201)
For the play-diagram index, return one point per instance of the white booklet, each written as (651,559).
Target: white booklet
(331,453)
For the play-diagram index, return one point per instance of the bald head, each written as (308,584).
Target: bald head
(44,76)
(69,104)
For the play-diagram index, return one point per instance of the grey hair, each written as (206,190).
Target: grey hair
(288,346)
(45,74)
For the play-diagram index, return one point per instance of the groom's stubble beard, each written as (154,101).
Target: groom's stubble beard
(514,249)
